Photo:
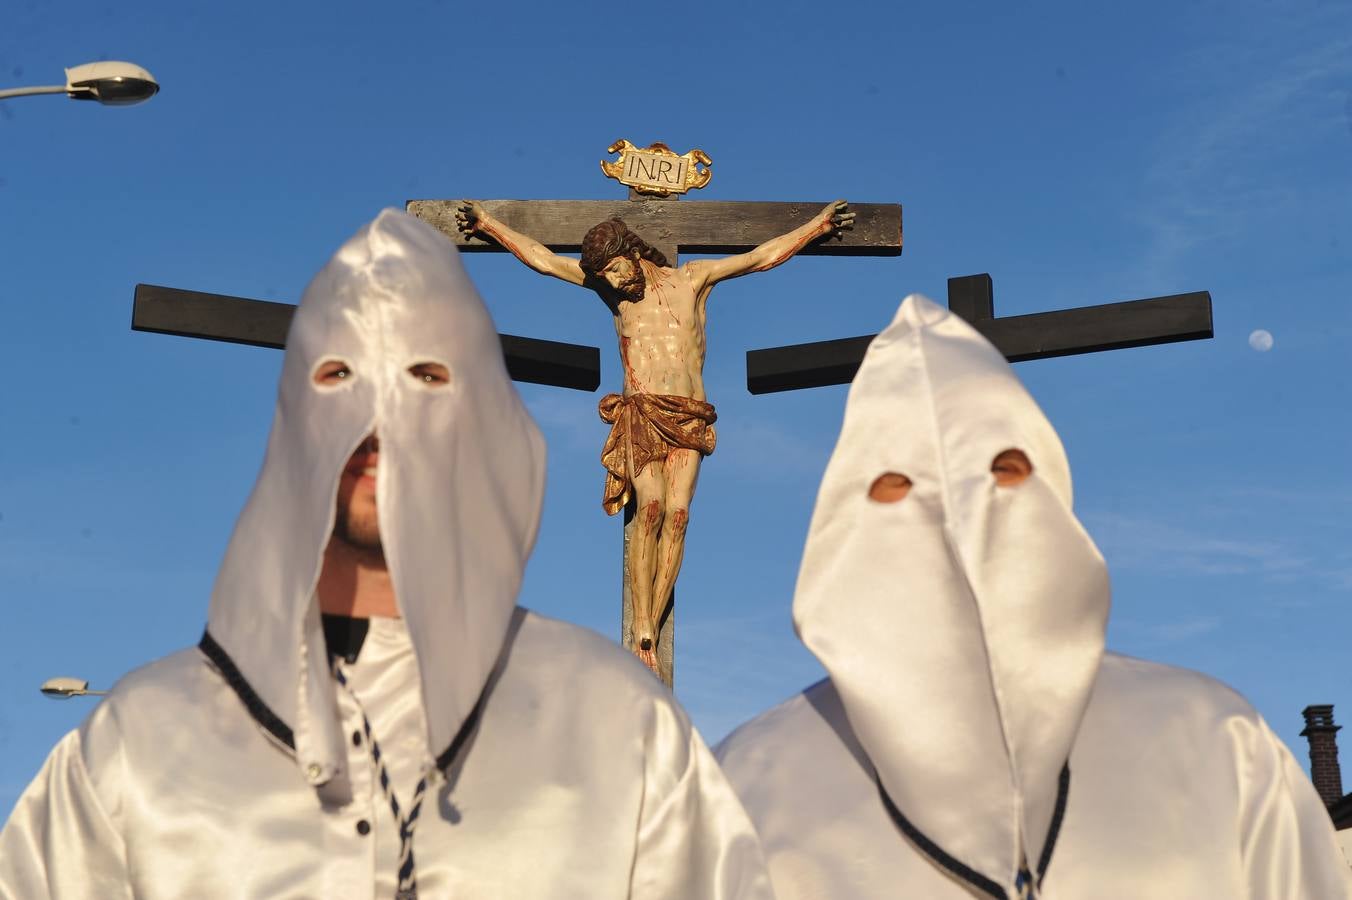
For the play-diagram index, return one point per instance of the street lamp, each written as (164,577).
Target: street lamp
(65,688)
(110,83)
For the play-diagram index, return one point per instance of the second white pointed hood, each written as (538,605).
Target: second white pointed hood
(459,489)
(962,626)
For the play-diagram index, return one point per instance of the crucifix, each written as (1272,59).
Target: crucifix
(1086,329)
(662,424)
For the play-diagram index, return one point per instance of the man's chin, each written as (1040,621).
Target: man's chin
(360,536)
(368,545)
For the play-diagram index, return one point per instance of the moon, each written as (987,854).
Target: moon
(1261,340)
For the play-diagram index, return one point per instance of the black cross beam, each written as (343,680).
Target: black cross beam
(1066,332)
(259,323)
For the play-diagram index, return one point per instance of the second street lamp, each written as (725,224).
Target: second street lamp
(64,688)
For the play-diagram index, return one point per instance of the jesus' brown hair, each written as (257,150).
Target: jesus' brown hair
(613,238)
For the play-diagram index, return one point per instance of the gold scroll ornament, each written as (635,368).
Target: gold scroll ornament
(657,170)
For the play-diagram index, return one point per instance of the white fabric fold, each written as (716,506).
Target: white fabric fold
(982,606)
(1180,791)
(233,770)
(459,494)
(962,628)
(602,791)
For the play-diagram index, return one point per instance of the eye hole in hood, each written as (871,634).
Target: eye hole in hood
(1011,467)
(332,373)
(430,374)
(889,487)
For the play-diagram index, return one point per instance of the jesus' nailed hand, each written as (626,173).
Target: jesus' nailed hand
(662,425)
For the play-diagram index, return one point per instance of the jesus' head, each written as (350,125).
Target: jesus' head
(611,252)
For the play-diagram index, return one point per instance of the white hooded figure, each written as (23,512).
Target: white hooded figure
(456,746)
(973,738)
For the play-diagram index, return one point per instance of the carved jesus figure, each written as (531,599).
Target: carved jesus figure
(662,424)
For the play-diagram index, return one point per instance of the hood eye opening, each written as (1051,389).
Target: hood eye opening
(332,372)
(432,374)
(1011,468)
(889,487)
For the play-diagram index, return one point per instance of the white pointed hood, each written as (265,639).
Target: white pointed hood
(963,626)
(459,490)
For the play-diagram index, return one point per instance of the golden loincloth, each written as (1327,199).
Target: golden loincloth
(645,428)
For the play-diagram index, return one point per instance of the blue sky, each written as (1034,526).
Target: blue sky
(1079,153)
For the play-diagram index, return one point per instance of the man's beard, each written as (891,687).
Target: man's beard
(362,532)
(632,290)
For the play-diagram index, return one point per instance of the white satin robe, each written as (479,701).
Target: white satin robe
(1178,791)
(962,625)
(583,780)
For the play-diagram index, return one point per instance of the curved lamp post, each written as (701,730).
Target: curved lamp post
(110,83)
(65,688)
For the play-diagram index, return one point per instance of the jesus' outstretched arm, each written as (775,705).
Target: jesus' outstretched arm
(835,216)
(472,218)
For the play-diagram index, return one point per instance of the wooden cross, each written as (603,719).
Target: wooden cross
(715,227)
(1086,329)
(260,323)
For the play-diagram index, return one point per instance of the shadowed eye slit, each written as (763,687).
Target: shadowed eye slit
(1011,467)
(432,374)
(332,372)
(889,487)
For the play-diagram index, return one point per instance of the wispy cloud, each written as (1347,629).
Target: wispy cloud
(55,567)
(1342,578)
(1250,115)
(1321,509)
(736,667)
(764,447)
(1144,635)
(1337,496)
(1161,546)
(569,419)
(1183,629)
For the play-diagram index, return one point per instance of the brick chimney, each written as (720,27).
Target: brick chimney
(1323,737)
